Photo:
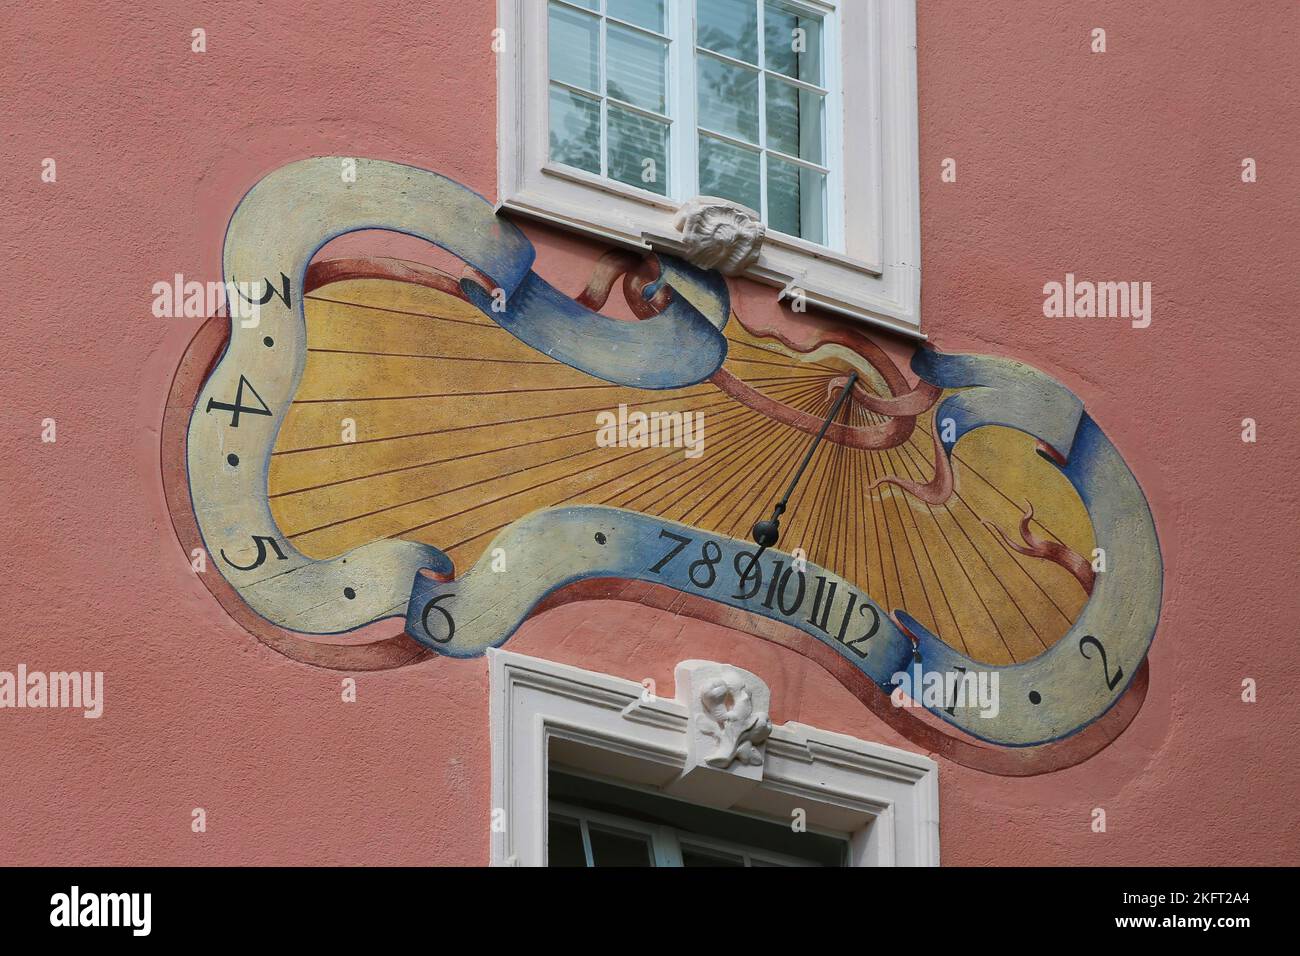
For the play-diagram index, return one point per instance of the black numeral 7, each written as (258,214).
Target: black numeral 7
(681,543)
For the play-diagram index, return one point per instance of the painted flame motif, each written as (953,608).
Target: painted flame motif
(1054,551)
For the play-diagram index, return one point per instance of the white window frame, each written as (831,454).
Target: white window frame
(875,278)
(666,842)
(889,797)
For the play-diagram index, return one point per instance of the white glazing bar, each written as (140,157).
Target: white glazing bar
(762,107)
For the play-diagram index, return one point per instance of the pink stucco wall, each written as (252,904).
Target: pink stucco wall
(1123,165)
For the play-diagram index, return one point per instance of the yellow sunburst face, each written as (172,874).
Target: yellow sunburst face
(417,417)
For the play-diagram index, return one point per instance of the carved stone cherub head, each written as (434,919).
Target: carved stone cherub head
(729,717)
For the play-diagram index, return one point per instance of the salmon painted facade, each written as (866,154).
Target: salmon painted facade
(437,463)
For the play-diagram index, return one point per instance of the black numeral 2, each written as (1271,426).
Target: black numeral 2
(1111,682)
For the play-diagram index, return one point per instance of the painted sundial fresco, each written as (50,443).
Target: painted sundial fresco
(454,453)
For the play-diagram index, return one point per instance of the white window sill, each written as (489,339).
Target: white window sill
(658,203)
(638,219)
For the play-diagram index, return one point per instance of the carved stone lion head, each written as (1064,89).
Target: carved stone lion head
(719,234)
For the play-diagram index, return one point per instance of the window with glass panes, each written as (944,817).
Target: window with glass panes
(754,104)
(609,89)
(596,823)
